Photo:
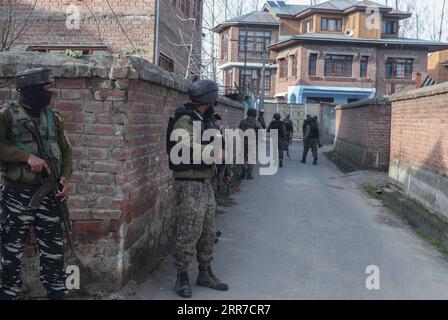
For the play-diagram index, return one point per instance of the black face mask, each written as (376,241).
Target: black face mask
(211,110)
(35,98)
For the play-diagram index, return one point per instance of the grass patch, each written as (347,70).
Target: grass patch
(439,245)
(330,155)
(442,247)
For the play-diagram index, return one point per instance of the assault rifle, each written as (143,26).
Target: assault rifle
(51,184)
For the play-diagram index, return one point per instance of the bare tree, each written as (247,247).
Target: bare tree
(14,21)
(442,20)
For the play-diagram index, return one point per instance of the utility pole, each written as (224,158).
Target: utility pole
(245,63)
(226,6)
(263,85)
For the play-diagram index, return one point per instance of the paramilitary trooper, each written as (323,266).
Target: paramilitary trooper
(278,124)
(250,123)
(195,221)
(22,176)
(289,125)
(311,139)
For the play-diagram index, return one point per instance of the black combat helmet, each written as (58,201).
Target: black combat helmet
(203,91)
(33,77)
(251,113)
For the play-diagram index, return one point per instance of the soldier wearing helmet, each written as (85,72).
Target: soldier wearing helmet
(22,175)
(196,212)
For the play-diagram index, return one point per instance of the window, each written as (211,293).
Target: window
(225,45)
(254,81)
(364,66)
(183,5)
(338,66)
(293,99)
(351,100)
(312,65)
(294,66)
(95,51)
(331,24)
(283,66)
(307,26)
(397,68)
(197,13)
(255,42)
(319,100)
(390,27)
(166,63)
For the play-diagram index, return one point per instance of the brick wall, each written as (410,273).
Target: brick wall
(419,145)
(363,133)
(99,27)
(116,112)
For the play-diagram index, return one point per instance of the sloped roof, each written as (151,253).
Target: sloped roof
(251,18)
(290,9)
(431,45)
(333,5)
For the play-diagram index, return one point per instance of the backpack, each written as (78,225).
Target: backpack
(180,112)
(314,130)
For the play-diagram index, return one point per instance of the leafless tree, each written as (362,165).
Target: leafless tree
(14,21)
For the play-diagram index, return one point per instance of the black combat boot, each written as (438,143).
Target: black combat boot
(183,287)
(315,162)
(250,176)
(206,278)
(281,163)
(56,296)
(4,296)
(243,175)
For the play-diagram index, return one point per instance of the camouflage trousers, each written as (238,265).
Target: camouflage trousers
(311,143)
(195,223)
(14,232)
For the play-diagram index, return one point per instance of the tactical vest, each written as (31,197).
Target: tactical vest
(22,139)
(180,112)
(248,123)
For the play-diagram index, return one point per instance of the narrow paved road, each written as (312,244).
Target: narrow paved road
(310,233)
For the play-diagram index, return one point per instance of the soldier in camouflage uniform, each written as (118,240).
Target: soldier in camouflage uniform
(250,123)
(22,176)
(196,214)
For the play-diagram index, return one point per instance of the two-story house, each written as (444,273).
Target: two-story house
(243,52)
(339,51)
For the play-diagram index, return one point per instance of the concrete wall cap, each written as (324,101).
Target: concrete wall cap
(421,92)
(365,103)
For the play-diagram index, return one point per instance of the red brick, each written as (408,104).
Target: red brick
(88,226)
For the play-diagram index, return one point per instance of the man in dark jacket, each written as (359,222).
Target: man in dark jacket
(277,124)
(261,119)
(250,123)
(310,139)
(289,125)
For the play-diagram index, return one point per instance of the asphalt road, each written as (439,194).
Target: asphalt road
(310,233)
